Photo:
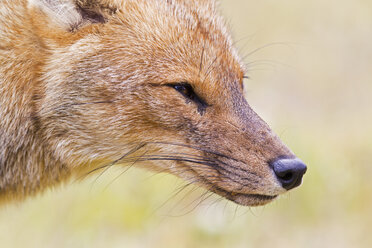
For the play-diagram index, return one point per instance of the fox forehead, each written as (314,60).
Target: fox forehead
(66,12)
(186,34)
(163,21)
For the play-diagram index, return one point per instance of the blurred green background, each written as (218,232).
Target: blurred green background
(312,82)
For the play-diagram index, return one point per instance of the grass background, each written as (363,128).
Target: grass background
(312,82)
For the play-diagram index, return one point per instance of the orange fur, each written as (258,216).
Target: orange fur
(85,82)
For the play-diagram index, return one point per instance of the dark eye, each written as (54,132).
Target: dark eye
(186,90)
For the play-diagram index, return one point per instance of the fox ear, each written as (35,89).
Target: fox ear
(74,14)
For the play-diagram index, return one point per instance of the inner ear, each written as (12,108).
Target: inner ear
(91,16)
(72,15)
(96,11)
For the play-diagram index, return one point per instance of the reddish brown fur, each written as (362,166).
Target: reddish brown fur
(80,90)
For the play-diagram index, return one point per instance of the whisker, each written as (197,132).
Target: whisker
(206,163)
(214,163)
(209,69)
(89,103)
(266,46)
(118,160)
(178,191)
(225,171)
(201,59)
(209,163)
(269,62)
(207,194)
(196,148)
(126,169)
(183,198)
(106,167)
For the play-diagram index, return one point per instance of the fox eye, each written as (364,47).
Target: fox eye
(186,90)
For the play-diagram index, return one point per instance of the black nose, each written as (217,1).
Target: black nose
(289,172)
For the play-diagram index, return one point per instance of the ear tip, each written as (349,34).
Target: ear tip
(62,13)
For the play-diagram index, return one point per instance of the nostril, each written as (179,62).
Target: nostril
(289,172)
(288,176)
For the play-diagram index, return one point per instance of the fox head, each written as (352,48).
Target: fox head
(156,84)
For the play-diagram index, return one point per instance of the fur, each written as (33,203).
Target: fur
(85,84)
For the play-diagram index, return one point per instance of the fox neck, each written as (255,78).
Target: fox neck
(26,165)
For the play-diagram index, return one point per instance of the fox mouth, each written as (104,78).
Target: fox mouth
(244,199)
(239,198)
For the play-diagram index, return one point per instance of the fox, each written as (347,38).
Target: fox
(157,84)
